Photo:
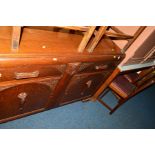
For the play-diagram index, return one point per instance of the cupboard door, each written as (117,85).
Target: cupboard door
(82,86)
(25,97)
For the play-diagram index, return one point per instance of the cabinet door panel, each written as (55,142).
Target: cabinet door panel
(26,97)
(82,85)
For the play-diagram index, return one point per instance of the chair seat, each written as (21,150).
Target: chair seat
(132,77)
(122,86)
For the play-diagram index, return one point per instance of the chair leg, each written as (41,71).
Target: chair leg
(86,38)
(16,34)
(112,110)
(103,103)
(116,95)
(121,102)
(97,38)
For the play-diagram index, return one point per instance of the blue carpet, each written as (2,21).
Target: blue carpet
(138,112)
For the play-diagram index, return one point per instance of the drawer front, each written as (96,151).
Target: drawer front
(81,86)
(16,99)
(30,71)
(97,66)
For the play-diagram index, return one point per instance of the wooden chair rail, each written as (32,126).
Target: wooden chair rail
(114,28)
(118,35)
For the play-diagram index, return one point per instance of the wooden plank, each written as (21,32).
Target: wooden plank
(16,33)
(105,84)
(97,38)
(86,38)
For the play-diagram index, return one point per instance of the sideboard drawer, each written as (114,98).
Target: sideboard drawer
(97,66)
(30,71)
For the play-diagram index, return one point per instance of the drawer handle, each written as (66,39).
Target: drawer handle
(88,83)
(26,75)
(22,96)
(101,67)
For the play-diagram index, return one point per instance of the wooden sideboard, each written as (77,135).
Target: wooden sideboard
(48,72)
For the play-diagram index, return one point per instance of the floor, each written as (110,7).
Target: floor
(138,112)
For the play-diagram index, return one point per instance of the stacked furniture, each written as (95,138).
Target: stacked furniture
(43,69)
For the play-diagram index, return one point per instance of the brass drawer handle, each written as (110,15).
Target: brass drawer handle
(22,96)
(26,75)
(89,83)
(101,67)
